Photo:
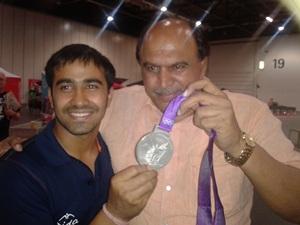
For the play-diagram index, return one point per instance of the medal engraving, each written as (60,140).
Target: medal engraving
(154,149)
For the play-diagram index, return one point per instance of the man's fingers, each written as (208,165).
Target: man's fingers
(16,143)
(137,192)
(142,179)
(11,142)
(204,85)
(136,175)
(202,99)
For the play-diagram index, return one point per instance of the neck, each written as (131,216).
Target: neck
(82,147)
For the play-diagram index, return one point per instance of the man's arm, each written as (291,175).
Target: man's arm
(10,142)
(277,183)
(128,194)
(11,114)
(13,107)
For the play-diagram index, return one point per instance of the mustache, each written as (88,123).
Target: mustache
(167,91)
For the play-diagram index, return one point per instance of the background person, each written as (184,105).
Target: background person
(9,108)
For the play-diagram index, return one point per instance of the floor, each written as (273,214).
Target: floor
(261,214)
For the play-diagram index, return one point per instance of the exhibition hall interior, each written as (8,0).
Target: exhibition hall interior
(254,50)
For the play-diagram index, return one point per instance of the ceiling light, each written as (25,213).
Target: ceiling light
(269,19)
(198,23)
(261,65)
(110,18)
(163,9)
(281,28)
(67,26)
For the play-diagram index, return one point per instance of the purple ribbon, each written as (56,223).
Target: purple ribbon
(168,118)
(206,173)
(204,214)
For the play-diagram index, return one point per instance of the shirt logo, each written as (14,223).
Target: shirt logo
(68,219)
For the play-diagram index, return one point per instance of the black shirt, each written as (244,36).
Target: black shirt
(45,185)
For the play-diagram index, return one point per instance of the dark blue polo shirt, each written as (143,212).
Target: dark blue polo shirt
(44,185)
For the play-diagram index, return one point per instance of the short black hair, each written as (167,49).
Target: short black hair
(83,53)
(198,34)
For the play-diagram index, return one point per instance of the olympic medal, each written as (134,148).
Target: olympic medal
(154,149)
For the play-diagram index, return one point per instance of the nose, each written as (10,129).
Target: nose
(79,97)
(166,78)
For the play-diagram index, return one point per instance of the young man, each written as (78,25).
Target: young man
(173,60)
(63,175)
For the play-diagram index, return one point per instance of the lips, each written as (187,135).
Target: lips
(167,98)
(80,115)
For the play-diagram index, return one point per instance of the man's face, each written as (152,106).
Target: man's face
(79,98)
(2,81)
(169,61)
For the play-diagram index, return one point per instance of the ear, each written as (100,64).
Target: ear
(109,96)
(50,98)
(204,66)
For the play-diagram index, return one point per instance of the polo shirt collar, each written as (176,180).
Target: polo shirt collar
(50,148)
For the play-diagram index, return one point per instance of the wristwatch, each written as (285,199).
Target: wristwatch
(247,146)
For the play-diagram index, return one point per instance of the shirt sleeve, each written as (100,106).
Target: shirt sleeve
(255,118)
(267,131)
(23,200)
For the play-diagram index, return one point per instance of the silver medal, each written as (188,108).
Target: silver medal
(154,149)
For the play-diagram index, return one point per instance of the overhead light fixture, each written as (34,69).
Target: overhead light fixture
(110,18)
(281,28)
(67,26)
(163,9)
(261,65)
(198,23)
(269,19)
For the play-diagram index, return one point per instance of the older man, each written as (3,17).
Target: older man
(173,60)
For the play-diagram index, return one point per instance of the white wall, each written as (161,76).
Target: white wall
(282,84)
(27,39)
(234,66)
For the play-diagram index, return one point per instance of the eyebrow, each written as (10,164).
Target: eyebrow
(63,81)
(174,64)
(149,63)
(68,81)
(180,62)
(93,81)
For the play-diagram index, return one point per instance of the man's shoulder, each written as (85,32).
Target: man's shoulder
(250,111)
(19,169)
(243,100)
(21,186)
(128,99)
(28,158)
(129,91)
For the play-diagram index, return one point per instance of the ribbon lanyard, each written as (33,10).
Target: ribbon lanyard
(206,173)
(155,149)
(168,118)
